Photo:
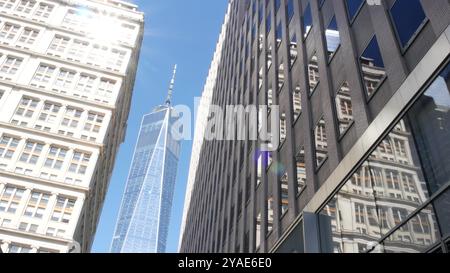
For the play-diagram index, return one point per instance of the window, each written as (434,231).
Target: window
(37,204)
(297,102)
(28,227)
(7,4)
(321,142)
(301,170)
(307,20)
(117,59)
(31,152)
(55,158)
(43,75)
(279,34)
(333,38)
(50,112)
(9,32)
(27,107)
(55,232)
(269,98)
(258,231)
(344,107)
(77,50)
(106,88)
(8,146)
(14,248)
(290,9)
(259,169)
(97,55)
(28,36)
(79,162)
(10,199)
(25,6)
(269,57)
(283,128)
(74,20)
(353,7)
(372,67)
(313,72)
(59,45)
(63,210)
(359,214)
(71,117)
(293,49)
(284,193)
(94,122)
(270,208)
(280,77)
(268,23)
(408,16)
(85,83)
(65,78)
(44,10)
(11,65)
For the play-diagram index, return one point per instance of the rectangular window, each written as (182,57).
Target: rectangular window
(280,77)
(27,107)
(28,36)
(333,38)
(7,4)
(37,204)
(372,67)
(279,34)
(55,158)
(284,191)
(43,11)
(11,65)
(85,83)
(71,117)
(79,163)
(8,32)
(293,53)
(8,146)
(290,9)
(63,210)
(14,248)
(313,72)
(353,7)
(283,128)
(26,6)
(94,122)
(301,170)
(344,107)
(297,102)
(43,75)
(77,50)
(59,45)
(321,142)
(106,88)
(307,21)
(49,113)
(10,199)
(408,16)
(31,152)
(64,78)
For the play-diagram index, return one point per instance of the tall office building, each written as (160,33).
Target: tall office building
(363,89)
(144,216)
(67,70)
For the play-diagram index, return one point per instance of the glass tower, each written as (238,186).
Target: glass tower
(144,216)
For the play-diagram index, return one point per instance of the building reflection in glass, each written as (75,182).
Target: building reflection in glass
(376,210)
(333,38)
(372,67)
(344,107)
(313,73)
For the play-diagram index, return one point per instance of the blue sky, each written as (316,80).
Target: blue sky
(176,32)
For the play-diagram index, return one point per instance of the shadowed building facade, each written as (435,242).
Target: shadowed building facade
(362,165)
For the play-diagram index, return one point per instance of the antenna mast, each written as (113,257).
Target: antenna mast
(172,83)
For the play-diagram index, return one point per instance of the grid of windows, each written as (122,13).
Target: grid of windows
(63,210)
(37,205)
(10,199)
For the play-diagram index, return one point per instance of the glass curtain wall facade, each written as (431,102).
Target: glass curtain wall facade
(144,216)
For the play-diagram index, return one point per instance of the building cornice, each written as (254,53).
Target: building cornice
(58,95)
(54,184)
(35,132)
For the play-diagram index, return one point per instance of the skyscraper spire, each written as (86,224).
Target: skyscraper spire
(172,83)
